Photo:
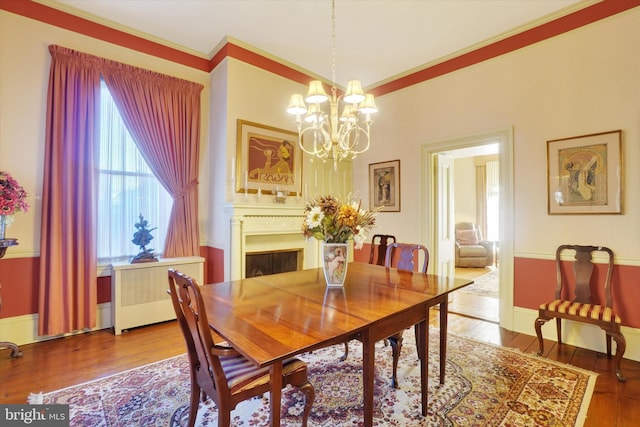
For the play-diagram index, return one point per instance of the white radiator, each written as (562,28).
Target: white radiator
(139,291)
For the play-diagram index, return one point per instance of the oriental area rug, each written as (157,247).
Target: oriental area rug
(486,285)
(485,385)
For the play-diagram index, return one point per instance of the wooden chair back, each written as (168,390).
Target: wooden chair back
(584,306)
(408,255)
(218,370)
(379,243)
(187,302)
(583,277)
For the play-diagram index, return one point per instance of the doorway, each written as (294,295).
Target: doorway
(476,202)
(439,211)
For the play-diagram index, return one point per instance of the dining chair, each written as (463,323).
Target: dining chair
(379,244)
(405,261)
(404,256)
(586,306)
(217,369)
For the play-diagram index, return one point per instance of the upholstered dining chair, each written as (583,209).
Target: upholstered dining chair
(218,370)
(404,256)
(378,253)
(585,306)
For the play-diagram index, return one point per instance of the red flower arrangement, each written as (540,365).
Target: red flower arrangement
(13,198)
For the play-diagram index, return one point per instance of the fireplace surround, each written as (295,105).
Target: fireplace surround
(261,228)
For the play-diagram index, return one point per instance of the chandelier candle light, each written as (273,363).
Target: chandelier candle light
(334,136)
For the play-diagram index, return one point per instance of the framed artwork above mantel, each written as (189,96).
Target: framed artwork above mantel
(268,160)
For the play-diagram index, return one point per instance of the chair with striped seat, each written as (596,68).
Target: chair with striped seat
(218,370)
(584,307)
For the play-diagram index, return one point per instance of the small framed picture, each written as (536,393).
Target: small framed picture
(384,186)
(584,174)
(268,159)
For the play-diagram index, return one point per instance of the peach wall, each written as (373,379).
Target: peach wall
(577,83)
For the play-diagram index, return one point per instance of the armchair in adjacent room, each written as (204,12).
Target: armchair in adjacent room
(471,249)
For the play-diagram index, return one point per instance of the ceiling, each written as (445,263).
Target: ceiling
(376,40)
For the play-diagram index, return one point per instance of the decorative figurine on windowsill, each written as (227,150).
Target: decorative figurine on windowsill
(142,238)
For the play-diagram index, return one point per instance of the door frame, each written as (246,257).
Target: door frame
(429,212)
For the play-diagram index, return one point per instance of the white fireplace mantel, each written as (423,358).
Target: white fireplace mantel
(263,228)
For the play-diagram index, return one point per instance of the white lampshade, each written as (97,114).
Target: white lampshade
(343,129)
(297,105)
(316,93)
(314,114)
(368,106)
(348,114)
(354,93)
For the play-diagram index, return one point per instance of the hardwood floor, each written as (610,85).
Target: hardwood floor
(473,305)
(60,363)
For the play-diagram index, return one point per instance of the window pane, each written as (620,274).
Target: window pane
(127,189)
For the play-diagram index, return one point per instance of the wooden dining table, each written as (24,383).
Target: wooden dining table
(270,318)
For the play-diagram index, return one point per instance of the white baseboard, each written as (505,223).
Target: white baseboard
(575,333)
(22,330)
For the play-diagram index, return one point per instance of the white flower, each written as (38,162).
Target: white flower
(358,241)
(314,217)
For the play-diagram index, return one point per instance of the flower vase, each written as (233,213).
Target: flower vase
(335,263)
(5,221)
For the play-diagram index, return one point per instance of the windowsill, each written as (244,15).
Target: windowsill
(104,270)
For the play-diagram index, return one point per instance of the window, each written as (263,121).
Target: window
(126,189)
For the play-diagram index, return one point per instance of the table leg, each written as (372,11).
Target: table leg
(368,361)
(444,308)
(275,398)
(423,328)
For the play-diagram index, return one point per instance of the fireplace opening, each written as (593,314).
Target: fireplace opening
(272,262)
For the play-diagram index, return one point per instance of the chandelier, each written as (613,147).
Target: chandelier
(333,135)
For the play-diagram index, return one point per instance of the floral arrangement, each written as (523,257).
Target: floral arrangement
(331,221)
(13,198)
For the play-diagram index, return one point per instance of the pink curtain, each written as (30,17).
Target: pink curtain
(68,262)
(162,114)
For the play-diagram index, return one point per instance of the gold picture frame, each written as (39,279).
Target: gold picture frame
(584,174)
(268,160)
(384,186)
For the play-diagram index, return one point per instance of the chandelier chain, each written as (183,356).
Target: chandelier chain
(333,47)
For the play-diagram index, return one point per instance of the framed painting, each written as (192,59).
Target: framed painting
(384,186)
(584,174)
(268,160)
